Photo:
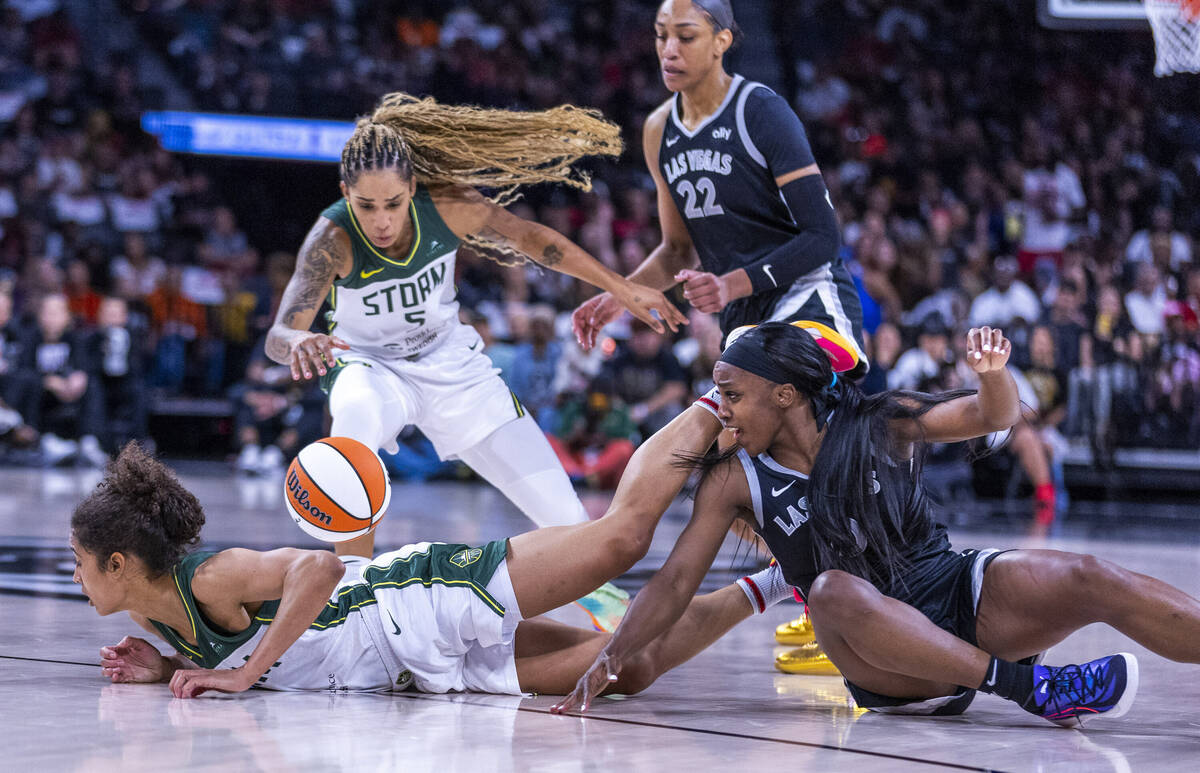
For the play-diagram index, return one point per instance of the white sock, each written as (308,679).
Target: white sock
(711,402)
(765,589)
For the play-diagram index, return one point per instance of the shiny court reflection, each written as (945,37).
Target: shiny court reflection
(727,706)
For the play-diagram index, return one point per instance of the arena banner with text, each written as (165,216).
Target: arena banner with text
(292,139)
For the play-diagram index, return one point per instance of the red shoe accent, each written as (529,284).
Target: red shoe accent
(1044,497)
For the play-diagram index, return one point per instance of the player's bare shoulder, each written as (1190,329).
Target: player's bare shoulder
(462,207)
(326,250)
(652,130)
(725,485)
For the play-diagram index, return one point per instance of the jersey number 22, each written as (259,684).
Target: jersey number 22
(691,194)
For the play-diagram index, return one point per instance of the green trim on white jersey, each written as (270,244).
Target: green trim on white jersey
(390,308)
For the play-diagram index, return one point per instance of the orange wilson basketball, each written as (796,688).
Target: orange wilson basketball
(337,489)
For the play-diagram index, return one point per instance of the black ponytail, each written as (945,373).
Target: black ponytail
(866,501)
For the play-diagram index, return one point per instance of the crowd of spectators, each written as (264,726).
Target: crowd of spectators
(123,275)
(985,171)
(988,171)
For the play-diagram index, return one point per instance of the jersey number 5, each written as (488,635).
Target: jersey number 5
(692,195)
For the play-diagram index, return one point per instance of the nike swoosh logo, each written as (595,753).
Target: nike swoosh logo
(472,346)
(394,623)
(777,491)
(991,682)
(767,271)
(369,274)
(672,140)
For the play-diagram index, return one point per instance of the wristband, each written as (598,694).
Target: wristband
(711,402)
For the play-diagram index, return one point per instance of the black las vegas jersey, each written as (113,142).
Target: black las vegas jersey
(722,178)
(779,496)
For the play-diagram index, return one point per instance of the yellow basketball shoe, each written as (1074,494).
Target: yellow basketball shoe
(796,633)
(808,659)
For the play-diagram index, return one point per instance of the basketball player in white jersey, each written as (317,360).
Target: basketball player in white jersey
(384,255)
(429,617)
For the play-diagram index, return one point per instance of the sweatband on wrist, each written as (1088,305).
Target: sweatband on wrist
(711,402)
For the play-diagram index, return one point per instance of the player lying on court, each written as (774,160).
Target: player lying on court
(432,617)
(831,480)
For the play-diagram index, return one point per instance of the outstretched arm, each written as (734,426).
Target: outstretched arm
(994,407)
(302,580)
(470,214)
(660,604)
(324,256)
(675,253)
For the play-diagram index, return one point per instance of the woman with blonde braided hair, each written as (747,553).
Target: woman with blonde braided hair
(384,256)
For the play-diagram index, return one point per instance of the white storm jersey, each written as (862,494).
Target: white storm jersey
(337,652)
(388,308)
(404,620)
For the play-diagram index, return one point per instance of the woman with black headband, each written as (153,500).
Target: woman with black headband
(737,186)
(831,479)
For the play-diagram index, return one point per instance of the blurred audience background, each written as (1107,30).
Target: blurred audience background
(985,172)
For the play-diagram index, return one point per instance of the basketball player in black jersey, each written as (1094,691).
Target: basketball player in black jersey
(738,186)
(832,480)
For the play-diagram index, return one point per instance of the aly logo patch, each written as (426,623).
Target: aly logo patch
(466,557)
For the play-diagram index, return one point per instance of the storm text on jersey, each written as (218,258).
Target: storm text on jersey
(405,294)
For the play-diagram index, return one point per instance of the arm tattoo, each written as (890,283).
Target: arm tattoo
(551,256)
(318,264)
(315,270)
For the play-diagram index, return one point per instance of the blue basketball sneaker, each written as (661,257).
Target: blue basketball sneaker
(1066,695)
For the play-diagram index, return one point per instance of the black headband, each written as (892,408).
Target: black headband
(747,353)
(720,11)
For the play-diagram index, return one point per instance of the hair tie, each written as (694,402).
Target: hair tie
(825,404)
